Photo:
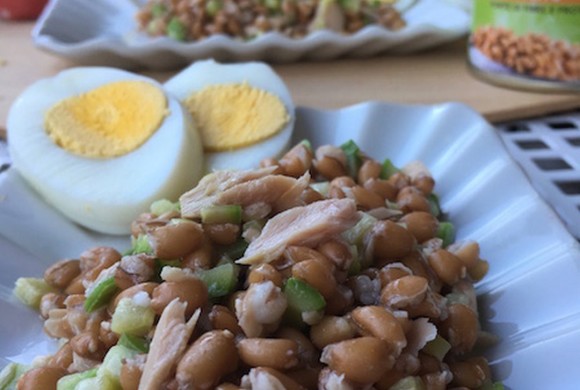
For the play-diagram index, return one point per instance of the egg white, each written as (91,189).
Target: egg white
(258,75)
(101,194)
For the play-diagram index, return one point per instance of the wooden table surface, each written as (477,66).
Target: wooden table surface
(435,76)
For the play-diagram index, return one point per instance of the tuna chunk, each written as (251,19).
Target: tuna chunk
(306,225)
(244,188)
(168,345)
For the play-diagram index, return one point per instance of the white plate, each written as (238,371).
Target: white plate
(104,33)
(530,297)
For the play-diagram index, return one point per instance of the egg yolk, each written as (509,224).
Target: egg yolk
(231,116)
(108,121)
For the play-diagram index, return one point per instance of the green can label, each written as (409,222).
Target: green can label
(530,39)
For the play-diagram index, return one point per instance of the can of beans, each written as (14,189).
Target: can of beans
(525,44)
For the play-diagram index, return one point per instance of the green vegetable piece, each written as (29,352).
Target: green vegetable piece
(434,205)
(302,297)
(141,245)
(212,7)
(101,294)
(176,30)
(388,169)
(220,280)
(30,290)
(446,232)
(460,298)
(158,10)
(236,250)
(109,371)
(222,214)
(322,187)
(489,385)
(132,318)
(350,6)
(133,342)
(94,383)
(438,348)
(353,159)
(409,383)
(498,386)
(273,5)
(307,144)
(164,206)
(10,375)
(355,234)
(70,382)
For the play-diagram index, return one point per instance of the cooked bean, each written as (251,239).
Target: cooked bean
(51,301)
(264,272)
(134,270)
(340,302)
(393,271)
(93,261)
(269,378)
(382,188)
(390,240)
(193,291)
(88,345)
(226,386)
(107,336)
(338,252)
(222,233)
(223,318)
(317,273)
(173,241)
(76,286)
(405,291)
(307,353)
(421,224)
(329,167)
(63,358)
(411,199)
(310,195)
(280,354)
(307,377)
(272,162)
(363,360)
(379,322)
(147,287)
(207,360)
(130,376)
(44,378)
(200,258)
(370,169)
(424,183)
(460,328)
(467,373)
(331,329)
(366,199)
(399,180)
(297,160)
(448,267)
(62,273)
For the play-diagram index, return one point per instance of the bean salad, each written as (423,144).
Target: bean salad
(323,269)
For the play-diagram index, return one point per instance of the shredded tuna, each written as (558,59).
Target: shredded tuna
(168,344)
(213,184)
(422,331)
(307,225)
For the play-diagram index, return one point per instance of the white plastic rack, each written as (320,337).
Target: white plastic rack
(548,150)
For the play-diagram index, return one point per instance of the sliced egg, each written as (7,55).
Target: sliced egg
(101,144)
(244,112)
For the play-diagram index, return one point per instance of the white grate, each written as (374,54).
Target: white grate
(548,150)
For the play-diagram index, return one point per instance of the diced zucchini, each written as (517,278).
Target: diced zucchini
(409,383)
(164,206)
(388,169)
(101,295)
(70,382)
(236,250)
(438,348)
(222,214)
(141,245)
(353,159)
(133,342)
(30,290)
(10,374)
(176,29)
(355,234)
(434,205)
(131,318)
(111,366)
(302,298)
(220,280)
(446,232)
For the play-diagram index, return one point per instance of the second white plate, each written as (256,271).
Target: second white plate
(105,33)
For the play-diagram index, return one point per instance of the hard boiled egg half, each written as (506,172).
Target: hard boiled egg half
(101,144)
(244,112)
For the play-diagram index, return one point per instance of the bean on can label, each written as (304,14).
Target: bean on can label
(527,44)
